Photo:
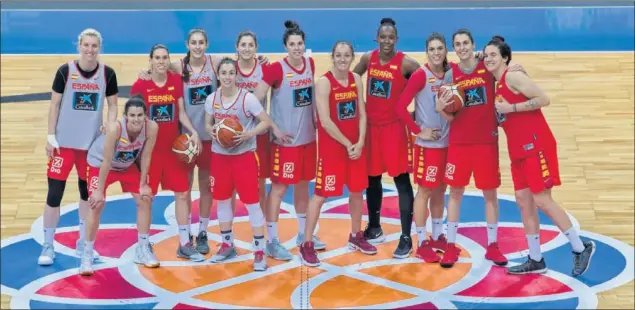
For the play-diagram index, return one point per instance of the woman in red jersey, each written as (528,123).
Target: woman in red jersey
(341,154)
(387,140)
(532,150)
(163,95)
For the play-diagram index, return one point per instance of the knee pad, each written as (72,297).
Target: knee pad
(55,192)
(224,210)
(83,189)
(256,217)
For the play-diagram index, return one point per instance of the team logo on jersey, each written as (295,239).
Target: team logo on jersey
(83,101)
(125,157)
(475,96)
(346,110)
(303,97)
(379,88)
(162,113)
(199,94)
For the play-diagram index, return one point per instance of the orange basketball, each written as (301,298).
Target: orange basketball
(458,96)
(186,151)
(226,130)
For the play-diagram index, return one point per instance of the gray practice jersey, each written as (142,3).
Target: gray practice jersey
(80,115)
(249,81)
(126,151)
(200,85)
(292,104)
(244,109)
(426,114)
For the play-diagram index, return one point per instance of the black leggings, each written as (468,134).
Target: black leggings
(374,196)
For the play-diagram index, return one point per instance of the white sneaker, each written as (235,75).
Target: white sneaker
(79,249)
(144,255)
(47,256)
(86,265)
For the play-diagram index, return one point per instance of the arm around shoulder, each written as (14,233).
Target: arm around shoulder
(523,84)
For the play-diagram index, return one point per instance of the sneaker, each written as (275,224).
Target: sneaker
(308,256)
(144,255)
(374,235)
(86,264)
(530,266)
(225,252)
(317,243)
(201,243)
(187,251)
(495,255)
(79,249)
(275,250)
(260,261)
(440,244)
(450,256)
(47,256)
(582,260)
(427,253)
(404,248)
(359,242)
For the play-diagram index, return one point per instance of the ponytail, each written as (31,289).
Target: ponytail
(186,71)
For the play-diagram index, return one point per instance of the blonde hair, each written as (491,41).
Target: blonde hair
(89,32)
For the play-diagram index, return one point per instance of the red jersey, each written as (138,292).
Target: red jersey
(476,122)
(384,83)
(527,132)
(163,107)
(343,107)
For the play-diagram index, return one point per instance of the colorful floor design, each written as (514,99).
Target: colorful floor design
(345,280)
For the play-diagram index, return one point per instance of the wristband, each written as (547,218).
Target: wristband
(52,141)
(514,107)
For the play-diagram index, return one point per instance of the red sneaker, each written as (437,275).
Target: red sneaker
(440,244)
(359,242)
(495,255)
(427,253)
(450,256)
(308,256)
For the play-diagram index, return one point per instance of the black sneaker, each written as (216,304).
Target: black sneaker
(530,266)
(582,260)
(374,235)
(404,248)
(201,243)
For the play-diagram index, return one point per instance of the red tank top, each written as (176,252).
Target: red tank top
(343,108)
(384,83)
(527,132)
(476,121)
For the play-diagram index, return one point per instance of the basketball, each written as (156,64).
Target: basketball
(458,96)
(186,151)
(226,130)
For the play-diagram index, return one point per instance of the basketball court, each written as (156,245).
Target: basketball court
(591,115)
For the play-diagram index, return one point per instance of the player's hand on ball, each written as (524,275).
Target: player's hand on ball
(199,145)
(283,137)
(503,107)
(243,136)
(96,199)
(430,134)
(146,193)
(444,100)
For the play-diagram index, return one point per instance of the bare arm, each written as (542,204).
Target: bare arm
(523,84)
(265,123)
(361,107)
(322,90)
(261,90)
(175,67)
(113,131)
(184,119)
(409,66)
(209,124)
(152,130)
(112,108)
(54,111)
(362,65)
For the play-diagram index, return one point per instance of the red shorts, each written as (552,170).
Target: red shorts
(203,161)
(263,150)
(429,164)
(167,170)
(129,179)
(480,159)
(235,172)
(292,164)
(60,167)
(333,172)
(389,149)
(538,172)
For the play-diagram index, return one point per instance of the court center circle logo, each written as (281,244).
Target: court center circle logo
(345,279)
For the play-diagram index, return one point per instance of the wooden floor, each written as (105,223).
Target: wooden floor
(591,115)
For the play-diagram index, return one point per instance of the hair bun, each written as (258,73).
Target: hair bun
(387,20)
(289,24)
(500,38)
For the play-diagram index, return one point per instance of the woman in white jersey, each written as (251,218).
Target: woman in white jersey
(293,148)
(113,158)
(236,168)
(430,150)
